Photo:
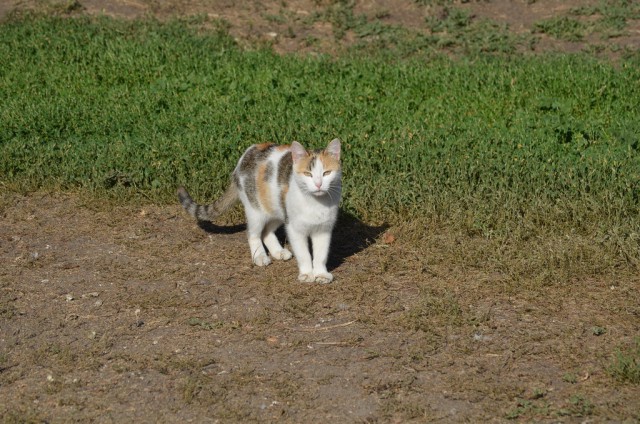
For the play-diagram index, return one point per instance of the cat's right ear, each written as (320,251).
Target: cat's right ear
(297,151)
(334,148)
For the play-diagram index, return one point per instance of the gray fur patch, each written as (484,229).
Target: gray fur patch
(251,191)
(285,167)
(268,172)
(252,158)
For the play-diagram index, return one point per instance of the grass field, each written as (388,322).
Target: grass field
(507,147)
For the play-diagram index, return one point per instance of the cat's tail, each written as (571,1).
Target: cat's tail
(211,211)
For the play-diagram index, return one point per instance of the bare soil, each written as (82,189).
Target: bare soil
(289,26)
(122,314)
(116,314)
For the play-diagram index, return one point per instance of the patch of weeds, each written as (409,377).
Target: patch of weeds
(433,2)
(612,16)
(562,28)
(401,411)
(190,389)
(276,19)
(538,393)
(431,309)
(577,406)
(287,386)
(340,15)
(310,40)
(372,354)
(625,366)
(396,402)
(205,325)
(61,7)
(598,331)
(455,28)
(289,32)
(570,377)
(53,387)
(61,356)
(526,407)
(21,416)
(7,309)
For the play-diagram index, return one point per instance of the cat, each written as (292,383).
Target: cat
(284,185)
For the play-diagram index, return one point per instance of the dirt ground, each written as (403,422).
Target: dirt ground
(116,314)
(122,314)
(289,25)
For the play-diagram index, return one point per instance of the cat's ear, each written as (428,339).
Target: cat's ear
(333,148)
(297,151)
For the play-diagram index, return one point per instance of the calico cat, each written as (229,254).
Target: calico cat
(284,185)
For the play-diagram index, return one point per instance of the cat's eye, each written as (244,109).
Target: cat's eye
(326,173)
(308,174)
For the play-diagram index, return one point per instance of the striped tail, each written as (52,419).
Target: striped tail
(211,211)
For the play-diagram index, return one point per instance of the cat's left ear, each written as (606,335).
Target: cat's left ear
(333,148)
(297,151)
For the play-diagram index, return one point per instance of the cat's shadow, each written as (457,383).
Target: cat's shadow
(212,228)
(350,236)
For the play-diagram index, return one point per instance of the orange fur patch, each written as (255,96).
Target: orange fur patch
(303,164)
(330,163)
(263,146)
(264,194)
(283,147)
(283,195)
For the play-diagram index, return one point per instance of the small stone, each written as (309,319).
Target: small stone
(68,297)
(388,238)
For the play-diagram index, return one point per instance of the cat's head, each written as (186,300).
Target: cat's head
(317,172)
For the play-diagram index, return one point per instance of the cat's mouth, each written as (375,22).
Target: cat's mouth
(319,192)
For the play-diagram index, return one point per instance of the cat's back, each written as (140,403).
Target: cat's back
(263,173)
(264,159)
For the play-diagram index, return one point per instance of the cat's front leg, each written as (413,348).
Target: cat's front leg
(321,242)
(299,244)
(271,241)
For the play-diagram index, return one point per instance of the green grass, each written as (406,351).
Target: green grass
(625,366)
(509,147)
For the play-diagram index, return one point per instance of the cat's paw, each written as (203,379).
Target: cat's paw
(283,255)
(306,278)
(262,260)
(324,278)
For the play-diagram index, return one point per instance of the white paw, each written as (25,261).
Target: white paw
(324,278)
(306,278)
(262,260)
(283,255)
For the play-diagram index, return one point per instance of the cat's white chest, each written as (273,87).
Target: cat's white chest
(303,211)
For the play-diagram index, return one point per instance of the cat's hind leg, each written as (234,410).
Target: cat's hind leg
(273,244)
(256,222)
